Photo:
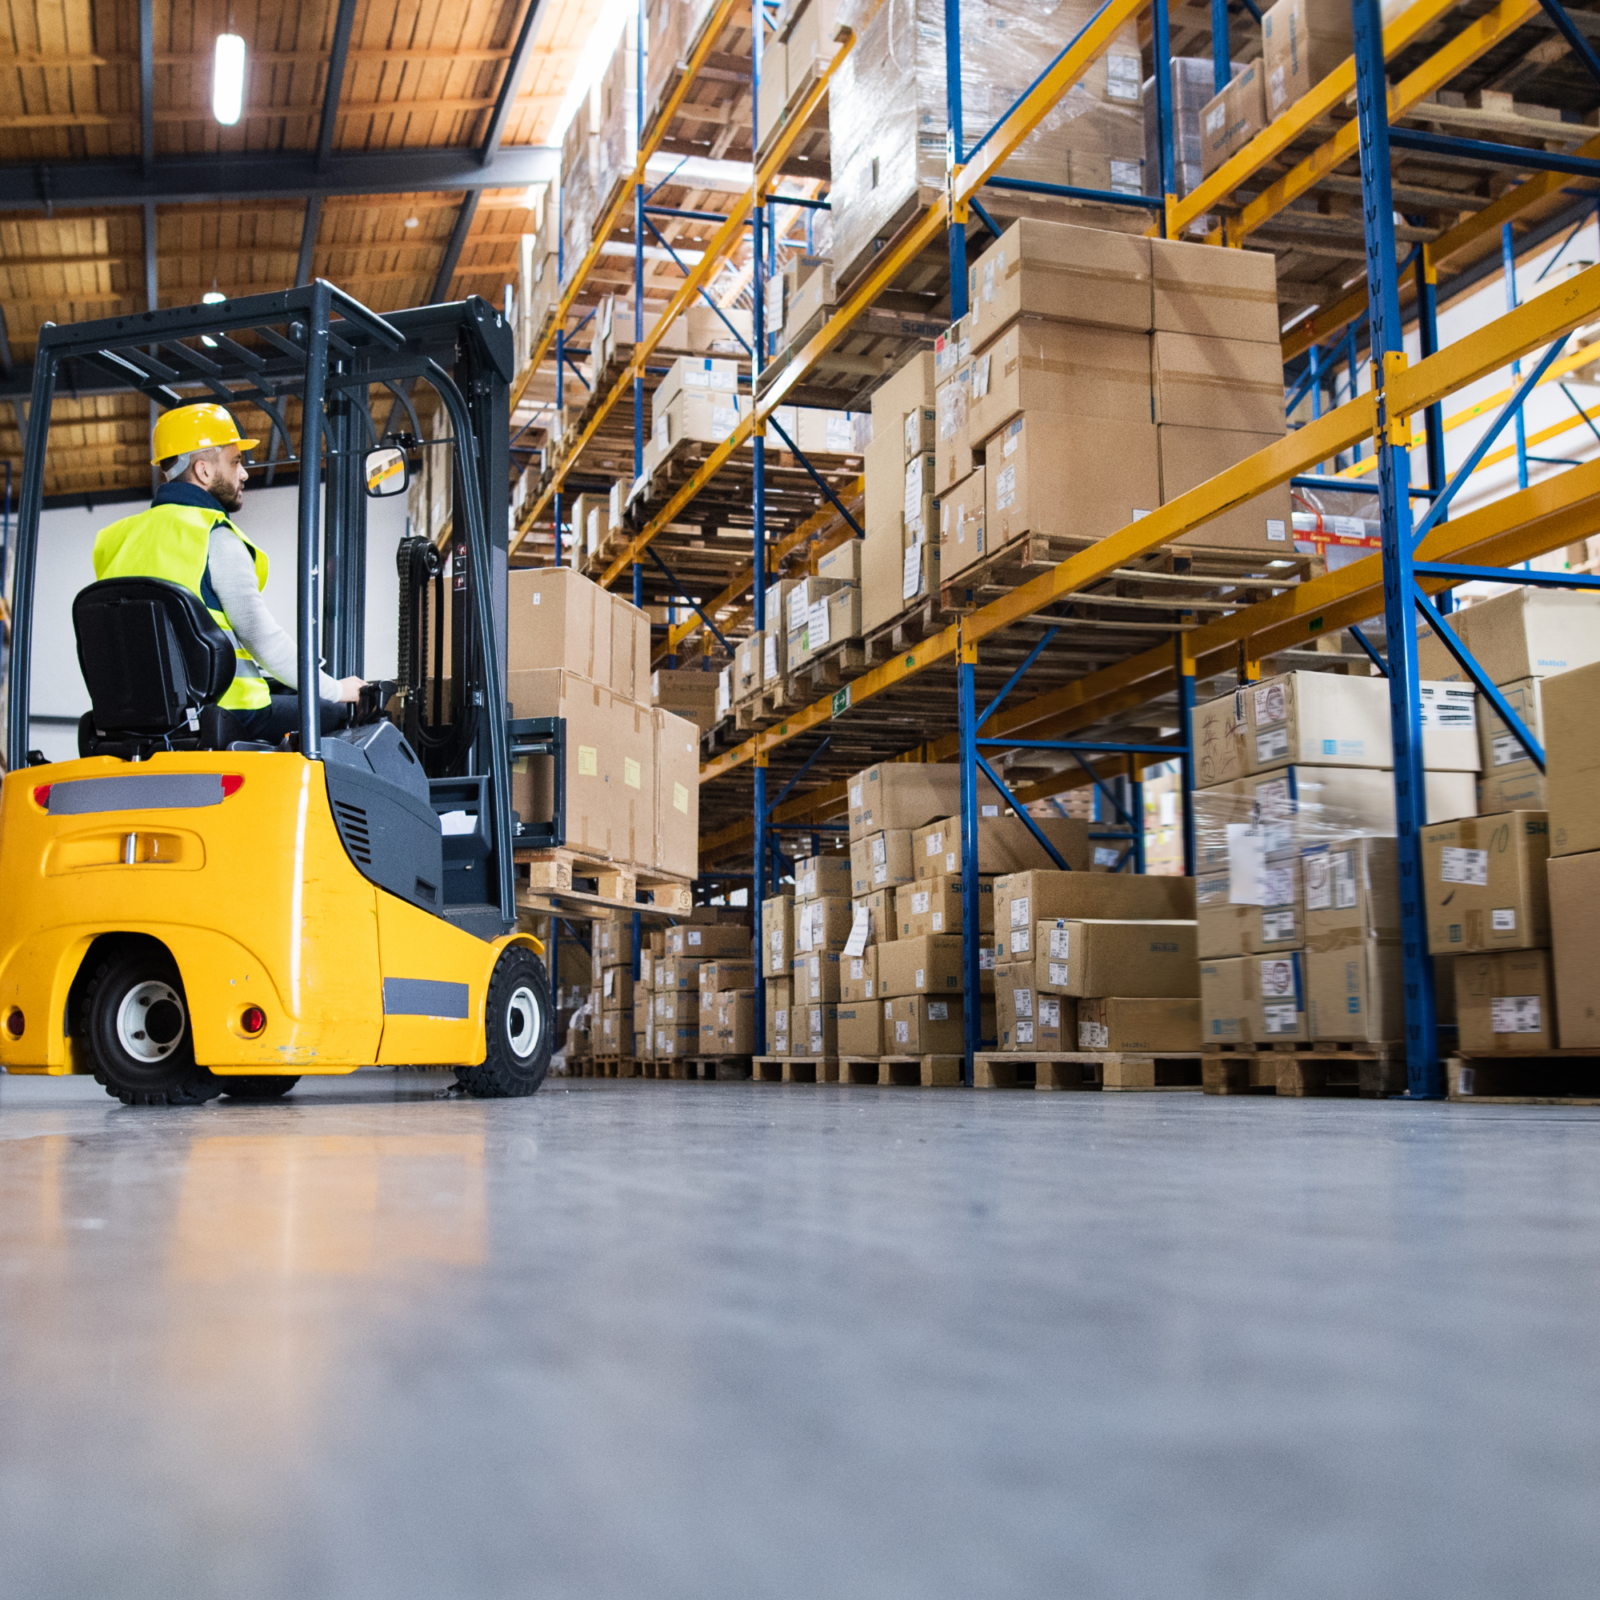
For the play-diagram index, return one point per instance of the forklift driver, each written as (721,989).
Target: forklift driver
(187,537)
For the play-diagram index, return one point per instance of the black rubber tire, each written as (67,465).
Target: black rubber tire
(518,1007)
(170,1078)
(272,1086)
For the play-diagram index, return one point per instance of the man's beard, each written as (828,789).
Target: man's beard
(227,495)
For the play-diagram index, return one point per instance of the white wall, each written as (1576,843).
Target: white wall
(270,518)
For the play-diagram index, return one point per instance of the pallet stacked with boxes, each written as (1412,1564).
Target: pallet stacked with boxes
(1511,891)
(1082,346)
(1294,833)
(618,1001)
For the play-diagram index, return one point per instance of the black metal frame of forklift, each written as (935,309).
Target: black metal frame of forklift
(321,345)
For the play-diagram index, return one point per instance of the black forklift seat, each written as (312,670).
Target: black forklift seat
(155,663)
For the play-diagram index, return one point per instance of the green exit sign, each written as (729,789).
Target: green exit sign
(841,701)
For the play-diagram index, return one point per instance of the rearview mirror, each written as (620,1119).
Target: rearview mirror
(387,473)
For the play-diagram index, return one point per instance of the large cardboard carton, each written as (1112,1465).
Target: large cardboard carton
(1037,365)
(1005,844)
(919,1024)
(676,1005)
(816,975)
(613,943)
(1511,781)
(674,1040)
(630,651)
(1486,883)
(558,618)
(600,814)
(858,976)
(1092,958)
(815,876)
(902,795)
(1505,1003)
(675,765)
(1217,294)
(962,510)
(1572,760)
(934,905)
(889,858)
(709,941)
(1028,1020)
(777,935)
(1054,269)
(1575,937)
(860,1027)
(634,801)
(814,1030)
(735,1023)
(1533,633)
(952,437)
(616,1032)
(1119,1023)
(777,1027)
(878,908)
(1352,892)
(1356,992)
(616,989)
(695,375)
(1189,456)
(1302,41)
(687,693)
(727,973)
(822,923)
(909,386)
(882,571)
(1022,899)
(929,965)
(1271,918)
(677,974)
(1231,120)
(1253,999)
(1045,473)
(1235,384)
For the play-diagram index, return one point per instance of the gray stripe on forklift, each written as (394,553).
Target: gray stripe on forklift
(173,791)
(424,997)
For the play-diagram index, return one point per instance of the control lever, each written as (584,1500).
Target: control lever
(375,696)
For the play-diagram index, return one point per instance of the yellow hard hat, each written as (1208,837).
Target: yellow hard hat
(199,427)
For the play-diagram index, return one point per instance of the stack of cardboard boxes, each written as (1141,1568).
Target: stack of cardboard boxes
(613,1000)
(1512,891)
(800,46)
(695,994)
(1082,346)
(1294,824)
(1095,961)
(632,769)
(672,29)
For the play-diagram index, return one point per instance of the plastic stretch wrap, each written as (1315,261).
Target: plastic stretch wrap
(617,136)
(672,28)
(578,150)
(887,120)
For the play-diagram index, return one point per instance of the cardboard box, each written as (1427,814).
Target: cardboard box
(774,654)
(675,746)
(962,511)
(918,1025)
(910,385)
(1253,999)
(703,418)
(882,569)
(736,1022)
(814,1030)
(922,431)
(715,976)
(630,651)
(616,1033)
(1118,1023)
(558,618)
(1005,844)
(860,1027)
(1273,919)
(1486,883)
(815,876)
(952,442)
(813,296)
(1300,806)
(1505,1003)
(1356,992)
(816,976)
(694,376)
(1055,269)
(616,989)
(1511,781)
(777,1027)
(677,974)
(1575,936)
(902,795)
(830,621)
(1233,118)
(747,662)
(672,1040)
(1046,474)
(613,943)
(1533,633)
(929,965)
(1234,384)
(934,905)
(1027,1020)
(688,693)
(676,1006)
(1036,365)
(1302,41)
(1022,899)
(1217,294)
(860,868)
(777,935)
(1352,892)
(1082,957)
(822,924)
(858,976)
(1572,760)
(709,941)
(1190,456)
(878,908)
(842,564)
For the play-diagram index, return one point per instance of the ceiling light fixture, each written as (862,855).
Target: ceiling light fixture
(227,80)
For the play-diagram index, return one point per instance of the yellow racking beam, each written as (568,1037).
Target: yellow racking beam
(1320,101)
(1434,73)
(1410,390)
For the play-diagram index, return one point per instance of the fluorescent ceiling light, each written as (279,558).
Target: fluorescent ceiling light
(214,298)
(227,80)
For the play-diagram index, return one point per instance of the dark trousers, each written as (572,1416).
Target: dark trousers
(269,723)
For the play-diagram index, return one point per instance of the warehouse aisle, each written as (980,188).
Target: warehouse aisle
(659,1339)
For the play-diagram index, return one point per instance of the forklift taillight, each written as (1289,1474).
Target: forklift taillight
(41,797)
(15,1023)
(232,783)
(253,1020)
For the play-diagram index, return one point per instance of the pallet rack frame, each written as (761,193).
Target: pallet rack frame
(1416,565)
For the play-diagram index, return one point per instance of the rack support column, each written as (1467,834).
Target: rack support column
(1394,502)
(1185,666)
(967,710)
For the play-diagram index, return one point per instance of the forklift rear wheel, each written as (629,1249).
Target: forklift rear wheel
(135,1021)
(519,1028)
(269,1087)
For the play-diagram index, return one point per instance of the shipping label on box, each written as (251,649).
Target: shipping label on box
(1504,1003)
(1138,1024)
(1134,959)
(1022,899)
(1486,883)
(929,965)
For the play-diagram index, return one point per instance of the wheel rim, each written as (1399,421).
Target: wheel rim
(150,1021)
(524,1022)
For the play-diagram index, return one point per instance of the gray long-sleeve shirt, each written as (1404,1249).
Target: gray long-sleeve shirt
(233,576)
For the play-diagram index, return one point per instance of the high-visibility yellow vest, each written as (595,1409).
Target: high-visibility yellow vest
(174,542)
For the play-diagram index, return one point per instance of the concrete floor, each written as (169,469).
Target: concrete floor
(663,1340)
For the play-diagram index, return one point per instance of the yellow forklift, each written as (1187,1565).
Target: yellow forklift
(185,913)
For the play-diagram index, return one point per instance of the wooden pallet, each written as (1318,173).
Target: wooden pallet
(575,883)
(1552,1078)
(832,665)
(922,619)
(902,1072)
(1110,1071)
(1303,1069)
(604,1066)
(720,1069)
(795,1069)
(768,705)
